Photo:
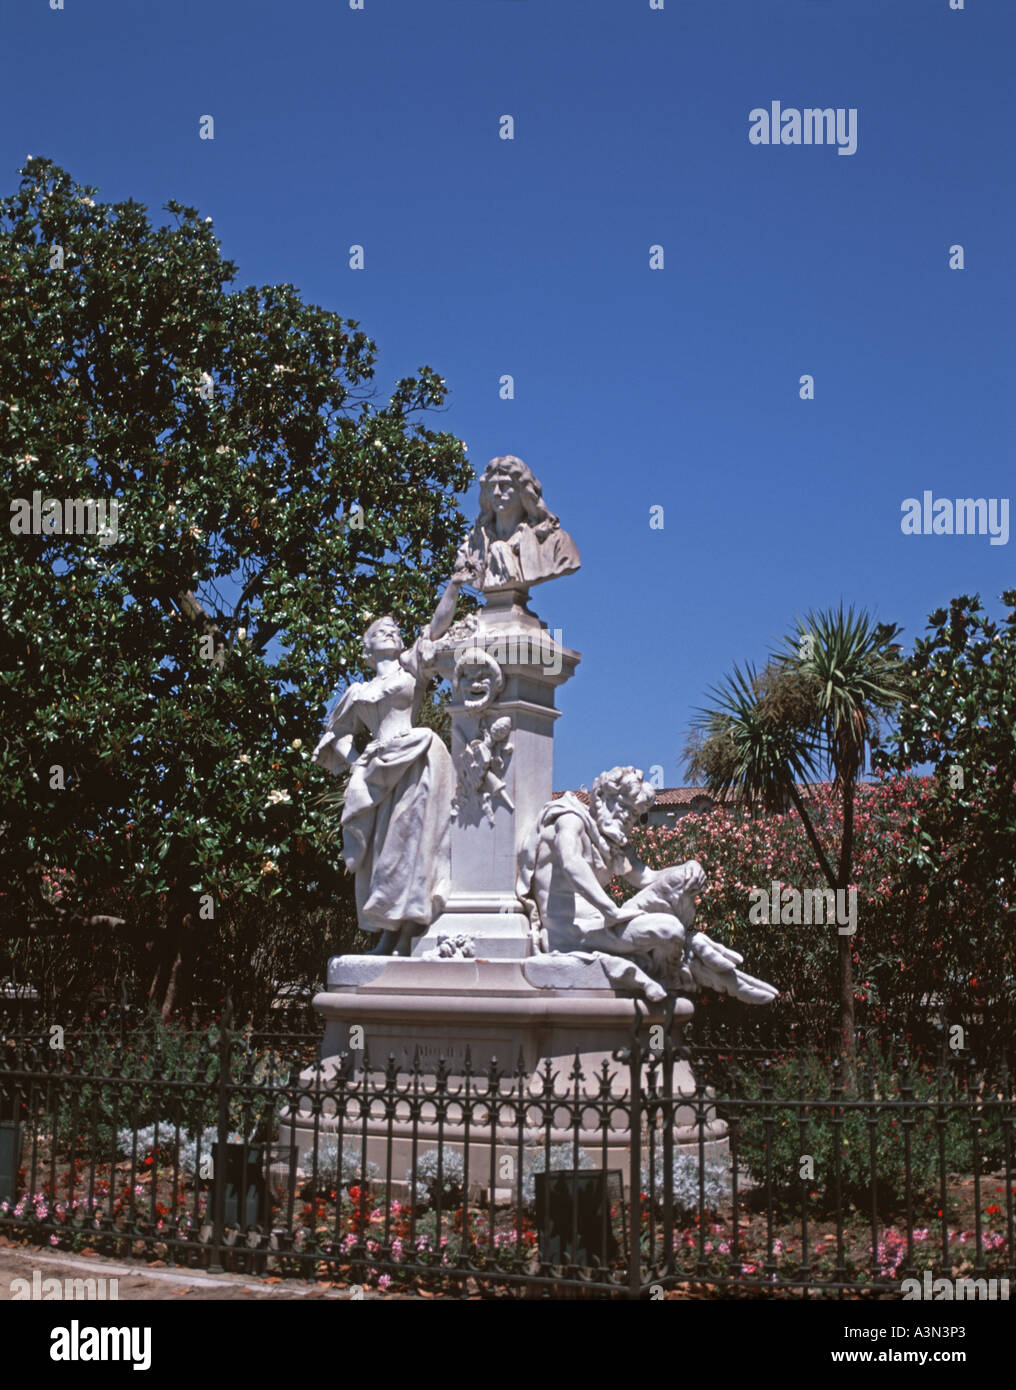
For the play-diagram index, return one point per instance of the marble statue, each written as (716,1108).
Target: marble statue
(516,541)
(523,951)
(398,801)
(481,774)
(477,679)
(646,943)
(460,946)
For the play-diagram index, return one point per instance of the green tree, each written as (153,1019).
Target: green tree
(813,709)
(960,717)
(166,687)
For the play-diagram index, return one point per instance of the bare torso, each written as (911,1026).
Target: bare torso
(563,910)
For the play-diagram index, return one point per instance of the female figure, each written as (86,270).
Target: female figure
(517,540)
(395,820)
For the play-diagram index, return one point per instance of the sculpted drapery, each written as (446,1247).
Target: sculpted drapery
(396,817)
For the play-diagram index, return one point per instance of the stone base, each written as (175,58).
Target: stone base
(495,921)
(386,1012)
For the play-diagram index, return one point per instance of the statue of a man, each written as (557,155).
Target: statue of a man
(647,942)
(516,541)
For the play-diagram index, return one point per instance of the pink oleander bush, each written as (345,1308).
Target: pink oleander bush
(905,959)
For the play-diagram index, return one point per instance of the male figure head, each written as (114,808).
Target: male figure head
(509,495)
(619,797)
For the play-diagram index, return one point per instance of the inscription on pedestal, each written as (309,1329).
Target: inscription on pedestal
(481,1050)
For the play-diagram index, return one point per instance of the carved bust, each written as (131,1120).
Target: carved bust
(516,541)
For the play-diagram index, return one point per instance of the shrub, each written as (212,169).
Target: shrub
(771,1142)
(425,1179)
(115,1082)
(345,1167)
(906,950)
(685,1183)
(188,1150)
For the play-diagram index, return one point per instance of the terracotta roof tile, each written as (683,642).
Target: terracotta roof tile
(687,796)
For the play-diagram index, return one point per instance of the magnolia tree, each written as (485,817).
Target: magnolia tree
(206,507)
(960,718)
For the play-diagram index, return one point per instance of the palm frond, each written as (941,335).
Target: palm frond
(857,674)
(744,749)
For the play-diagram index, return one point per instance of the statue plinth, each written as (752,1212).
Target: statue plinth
(489,826)
(487,1011)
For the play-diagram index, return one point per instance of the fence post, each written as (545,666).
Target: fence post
(669,1059)
(635,1156)
(219,1173)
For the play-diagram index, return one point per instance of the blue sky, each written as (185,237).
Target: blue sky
(634,388)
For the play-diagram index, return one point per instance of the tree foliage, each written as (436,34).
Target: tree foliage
(814,708)
(960,718)
(162,692)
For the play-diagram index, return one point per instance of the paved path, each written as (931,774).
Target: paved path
(147,1282)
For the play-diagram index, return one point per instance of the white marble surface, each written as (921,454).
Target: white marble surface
(517,540)
(647,942)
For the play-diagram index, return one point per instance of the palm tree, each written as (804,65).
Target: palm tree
(814,707)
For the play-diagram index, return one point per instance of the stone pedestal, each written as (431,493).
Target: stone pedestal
(515,1012)
(485,839)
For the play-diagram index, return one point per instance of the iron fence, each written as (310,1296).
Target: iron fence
(673,1164)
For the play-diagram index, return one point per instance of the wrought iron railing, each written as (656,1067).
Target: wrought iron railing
(225,1148)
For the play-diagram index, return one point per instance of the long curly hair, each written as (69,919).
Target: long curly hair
(538,514)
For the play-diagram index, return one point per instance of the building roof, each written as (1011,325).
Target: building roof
(687,796)
(665,796)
